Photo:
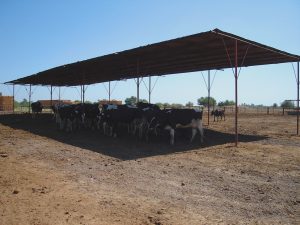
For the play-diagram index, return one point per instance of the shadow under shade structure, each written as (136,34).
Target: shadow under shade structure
(124,147)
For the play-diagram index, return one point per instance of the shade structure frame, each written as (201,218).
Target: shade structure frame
(198,52)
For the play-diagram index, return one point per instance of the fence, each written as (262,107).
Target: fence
(260,110)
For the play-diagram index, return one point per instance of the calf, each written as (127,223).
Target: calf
(218,113)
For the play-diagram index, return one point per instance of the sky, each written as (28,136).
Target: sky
(37,35)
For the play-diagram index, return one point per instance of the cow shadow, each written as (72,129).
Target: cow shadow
(124,147)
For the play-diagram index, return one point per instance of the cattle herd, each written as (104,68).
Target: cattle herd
(142,120)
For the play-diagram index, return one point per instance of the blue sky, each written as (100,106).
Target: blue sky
(38,35)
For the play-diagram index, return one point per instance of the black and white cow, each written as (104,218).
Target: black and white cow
(114,116)
(147,113)
(65,117)
(173,119)
(218,113)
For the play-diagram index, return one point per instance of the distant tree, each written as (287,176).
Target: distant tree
(160,105)
(226,103)
(143,100)
(131,101)
(204,101)
(77,101)
(287,104)
(24,102)
(176,106)
(88,102)
(275,105)
(166,105)
(17,104)
(189,104)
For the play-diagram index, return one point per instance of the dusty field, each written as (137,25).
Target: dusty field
(49,177)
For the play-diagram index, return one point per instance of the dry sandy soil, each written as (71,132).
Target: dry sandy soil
(50,177)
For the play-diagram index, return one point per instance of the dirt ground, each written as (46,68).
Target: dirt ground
(51,177)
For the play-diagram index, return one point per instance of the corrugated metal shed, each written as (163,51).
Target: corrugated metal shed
(203,51)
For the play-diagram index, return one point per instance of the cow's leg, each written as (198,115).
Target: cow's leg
(172,134)
(114,130)
(69,127)
(140,130)
(128,128)
(98,124)
(200,128)
(57,120)
(194,132)
(104,128)
(62,124)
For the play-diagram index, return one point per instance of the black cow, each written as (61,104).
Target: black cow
(36,108)
(177,118)
(91,115)
(218,113)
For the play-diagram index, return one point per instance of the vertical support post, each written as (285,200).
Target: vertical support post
(137,90)
(51,93)
(13,98)
(208,103)
(109,91)
(80,93)
(83,93)
(59,95)
(298,82)
(29,98)
(137,82)
(149,89)
(236,94)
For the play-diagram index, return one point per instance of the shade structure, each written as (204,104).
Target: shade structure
(203,51)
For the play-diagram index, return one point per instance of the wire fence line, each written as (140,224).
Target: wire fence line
(256,110)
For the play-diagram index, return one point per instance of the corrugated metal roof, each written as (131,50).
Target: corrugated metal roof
(198,52)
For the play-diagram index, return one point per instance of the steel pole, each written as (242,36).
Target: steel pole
(236,94)
(80,93)
(137,90)
(149,89)
(59,95)
(137,81)
(29,98)
(13,98)
(109,91)
(208,99)
(83,93)
(298,82)
(51,93)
